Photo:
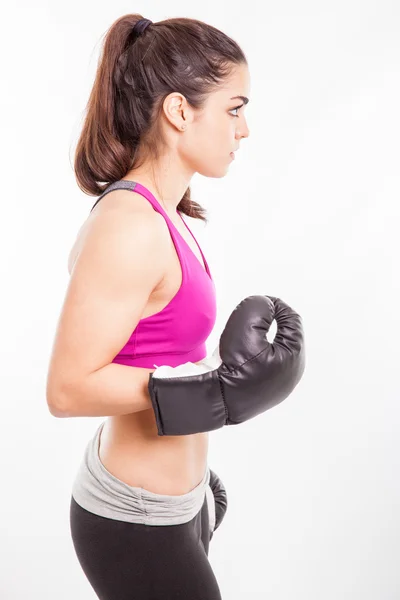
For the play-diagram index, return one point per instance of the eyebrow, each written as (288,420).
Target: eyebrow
(244,98)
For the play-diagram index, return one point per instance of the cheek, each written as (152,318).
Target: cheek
(207,145)
(213,138)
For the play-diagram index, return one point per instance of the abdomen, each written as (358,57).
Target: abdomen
(131,450)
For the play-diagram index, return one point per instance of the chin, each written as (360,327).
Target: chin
(214,172)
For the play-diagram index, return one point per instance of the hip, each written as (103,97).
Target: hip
(100,492)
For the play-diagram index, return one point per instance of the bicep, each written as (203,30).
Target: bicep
(122,260)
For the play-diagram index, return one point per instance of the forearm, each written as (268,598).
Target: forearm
(112,390)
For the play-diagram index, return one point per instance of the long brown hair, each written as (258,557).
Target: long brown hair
(133,78)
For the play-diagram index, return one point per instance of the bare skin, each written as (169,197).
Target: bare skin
(130,447)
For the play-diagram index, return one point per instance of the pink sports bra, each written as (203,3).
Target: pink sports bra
(176,334)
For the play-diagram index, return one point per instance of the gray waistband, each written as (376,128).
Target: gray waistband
(100,492)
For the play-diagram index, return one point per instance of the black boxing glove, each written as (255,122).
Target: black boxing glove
(245,376)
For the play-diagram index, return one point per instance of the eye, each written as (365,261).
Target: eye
(236,108)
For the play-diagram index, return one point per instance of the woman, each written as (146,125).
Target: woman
(167,102)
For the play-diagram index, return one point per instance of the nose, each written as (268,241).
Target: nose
(243,132)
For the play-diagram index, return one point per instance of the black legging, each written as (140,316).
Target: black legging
(132,561)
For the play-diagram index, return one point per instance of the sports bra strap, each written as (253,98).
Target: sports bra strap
(123,184)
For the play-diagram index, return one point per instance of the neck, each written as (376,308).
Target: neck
(167,181)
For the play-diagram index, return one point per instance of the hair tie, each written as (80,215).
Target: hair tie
(141,25)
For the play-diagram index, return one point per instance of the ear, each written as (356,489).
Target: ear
(176,109)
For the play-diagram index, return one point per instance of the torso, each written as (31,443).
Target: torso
(130,447)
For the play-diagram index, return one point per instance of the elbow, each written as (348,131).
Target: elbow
(58,404)
(56,411)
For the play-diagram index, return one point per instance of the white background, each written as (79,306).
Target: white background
(308,212)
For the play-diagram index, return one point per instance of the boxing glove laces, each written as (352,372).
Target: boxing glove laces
(245,376)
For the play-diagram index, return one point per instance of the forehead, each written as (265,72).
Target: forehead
(237,84)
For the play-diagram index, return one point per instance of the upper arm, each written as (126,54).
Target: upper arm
(122,259)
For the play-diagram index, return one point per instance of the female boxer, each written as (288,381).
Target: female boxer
(167,102)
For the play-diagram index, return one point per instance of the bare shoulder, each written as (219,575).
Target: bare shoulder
(132,211)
